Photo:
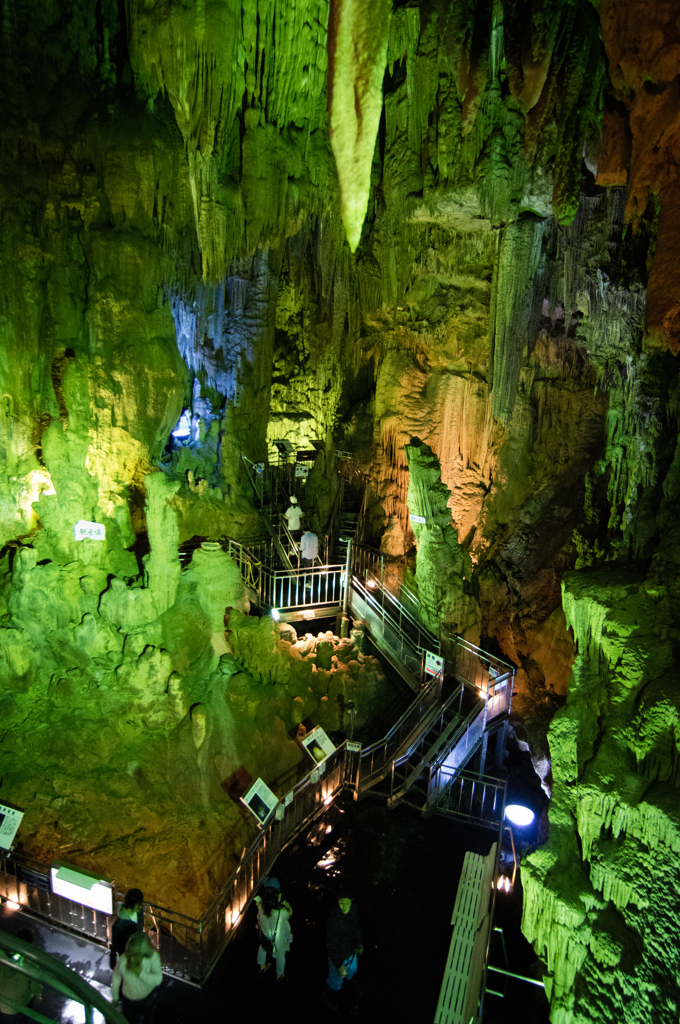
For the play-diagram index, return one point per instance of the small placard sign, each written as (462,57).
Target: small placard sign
(83,530)
(302,471)
(10,819)
(433,663)
(353,747)
(260,800)
(418,519)
(317,744)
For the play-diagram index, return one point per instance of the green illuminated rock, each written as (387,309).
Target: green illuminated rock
(354,223)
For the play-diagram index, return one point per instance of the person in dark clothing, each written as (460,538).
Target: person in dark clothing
(344,942)
(130,920)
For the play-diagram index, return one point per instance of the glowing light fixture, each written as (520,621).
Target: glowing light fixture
(519,815)
(371,584)
(11,905)
(235,918)
(275,614)
(327,801)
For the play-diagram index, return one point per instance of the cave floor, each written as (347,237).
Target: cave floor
(404,872)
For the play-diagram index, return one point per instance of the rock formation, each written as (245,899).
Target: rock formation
(199,235)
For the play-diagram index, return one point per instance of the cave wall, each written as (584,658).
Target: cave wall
(478,254)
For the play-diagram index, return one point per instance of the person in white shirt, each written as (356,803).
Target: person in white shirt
(273,920)
(293,515)
(309,548)
(136,980)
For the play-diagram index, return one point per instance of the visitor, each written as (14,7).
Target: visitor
(20,989)
(130,920)
(309,548)
(344,944)
(273,920)
(293,515)
(136,980)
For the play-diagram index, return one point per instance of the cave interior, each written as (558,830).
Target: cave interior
(436,237)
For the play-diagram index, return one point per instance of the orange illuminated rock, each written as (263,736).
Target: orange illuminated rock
(642,41)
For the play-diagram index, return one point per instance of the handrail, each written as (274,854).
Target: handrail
(364,557)
(280,550)
(459,734)
(429,688)
(47,970)
(395,622)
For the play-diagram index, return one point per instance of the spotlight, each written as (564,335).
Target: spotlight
(235,918)
(371,584)
(11,905)
(519,815)
(275,614)
(327,801)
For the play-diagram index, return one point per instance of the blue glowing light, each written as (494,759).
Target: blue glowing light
(519,815)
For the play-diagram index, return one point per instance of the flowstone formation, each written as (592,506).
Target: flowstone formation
(127,710)
(442,565)
(601,896)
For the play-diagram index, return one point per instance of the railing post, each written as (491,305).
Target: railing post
(344,621)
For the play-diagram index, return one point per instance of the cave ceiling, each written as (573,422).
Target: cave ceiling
(358,221)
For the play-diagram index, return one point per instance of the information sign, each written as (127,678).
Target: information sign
(317,744)
(353,747)
(82,886)
(260,800)
(433,663)
(83,530)
(10,819)
(301,471)
(418,519)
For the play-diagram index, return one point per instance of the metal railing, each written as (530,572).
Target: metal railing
(376,759)
(472,663)
(248,559)
(391,610)
(189,948)
(388,632)
(306,801)
(317,586)
(26,883)
(389,572)
(23,958)
(469,795)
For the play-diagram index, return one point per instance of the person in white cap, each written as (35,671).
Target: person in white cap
(293,515)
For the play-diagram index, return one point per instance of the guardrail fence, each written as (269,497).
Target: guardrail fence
(470,795)
(294,589)
(190,948)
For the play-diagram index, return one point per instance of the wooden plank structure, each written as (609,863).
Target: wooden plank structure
(471,920)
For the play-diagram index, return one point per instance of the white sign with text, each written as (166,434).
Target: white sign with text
(83,530)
